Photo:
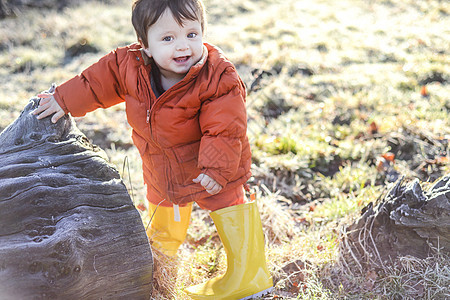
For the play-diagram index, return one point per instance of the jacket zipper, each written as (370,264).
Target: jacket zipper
(150,111)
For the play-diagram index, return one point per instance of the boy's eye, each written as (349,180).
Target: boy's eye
(192,35)
(167,38)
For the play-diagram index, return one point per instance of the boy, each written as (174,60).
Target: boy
(186,105)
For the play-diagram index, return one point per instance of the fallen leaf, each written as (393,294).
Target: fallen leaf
(442,160)
(389,156)
(373,128)
(301,220)
(141,207)
(421,42)
(381,165)
(424,91)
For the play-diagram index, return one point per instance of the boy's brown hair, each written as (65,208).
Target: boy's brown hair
(145,13)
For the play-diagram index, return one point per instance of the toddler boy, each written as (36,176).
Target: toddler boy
(186,105)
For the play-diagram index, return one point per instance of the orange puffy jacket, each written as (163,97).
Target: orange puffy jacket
(197,126)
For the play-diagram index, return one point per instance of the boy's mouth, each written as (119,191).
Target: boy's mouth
(181,59)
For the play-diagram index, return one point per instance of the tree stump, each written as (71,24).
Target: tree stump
(68,228)
(409,221)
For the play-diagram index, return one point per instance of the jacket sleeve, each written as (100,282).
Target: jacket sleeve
(99,86)
(223,121)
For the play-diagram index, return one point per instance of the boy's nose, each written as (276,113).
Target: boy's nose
(182,46)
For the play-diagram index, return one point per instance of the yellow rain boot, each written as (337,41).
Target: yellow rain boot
(166,234)
(247,276)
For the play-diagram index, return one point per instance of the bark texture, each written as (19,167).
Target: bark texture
(68,228)
(409,220)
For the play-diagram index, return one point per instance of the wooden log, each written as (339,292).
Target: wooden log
(68,228)
(408,221)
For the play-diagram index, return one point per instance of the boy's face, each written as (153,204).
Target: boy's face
(174,48)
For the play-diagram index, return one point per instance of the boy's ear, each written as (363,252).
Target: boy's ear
(146,51)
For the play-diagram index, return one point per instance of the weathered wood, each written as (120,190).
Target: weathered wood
(68,228)
(409,220)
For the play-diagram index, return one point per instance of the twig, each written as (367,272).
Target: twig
(373,242)
(353,255)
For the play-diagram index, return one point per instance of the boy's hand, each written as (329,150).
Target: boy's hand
(47,106)
(208,183)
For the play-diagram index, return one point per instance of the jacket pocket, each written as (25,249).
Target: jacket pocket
(184,168)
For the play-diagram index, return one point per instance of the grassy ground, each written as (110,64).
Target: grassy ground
(344,98)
